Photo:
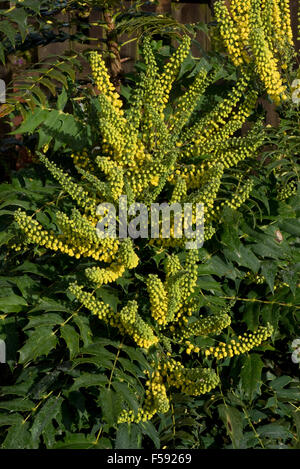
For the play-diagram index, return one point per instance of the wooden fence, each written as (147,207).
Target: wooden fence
(184,12)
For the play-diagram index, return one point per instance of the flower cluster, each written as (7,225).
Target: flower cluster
(206,325)
(74,242)
(133,325)
(258,31)
(76,192)
(240,345)
(170,374)
(156,401)
(241,194)
(106,275)
(127,255)
(103,83)
(97,307)
(114,175)
(158,299)
(191,381)
(127,320)
(284,192)
(163,84)
(148,153)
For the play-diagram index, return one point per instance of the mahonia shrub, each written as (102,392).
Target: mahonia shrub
(158,148)
(259,32)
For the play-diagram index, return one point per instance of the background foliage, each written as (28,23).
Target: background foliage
(65,379)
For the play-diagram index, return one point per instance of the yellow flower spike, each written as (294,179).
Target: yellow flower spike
(246,343)
(158,299)
(102,80)
(258,31)
(103,276)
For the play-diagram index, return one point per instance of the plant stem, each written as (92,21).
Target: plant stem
(114,63)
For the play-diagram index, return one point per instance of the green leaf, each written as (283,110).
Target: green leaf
(128,437)
(251,316)
(274,430)
(19,437)
(126,92)
(279,383)
(9,31)
(102,357)
(12,304)
(62,100)
(33,120)
(137,355)
(82,441)
(42,99)
(128,396)
(25,284)
(130,367)
(58,76)
(243,256)
(208,284)
(220,268)
(296,416)
(71,338)
(150,431)
(271,403)
(10,419)
(16,202)
(50,319)
(33,5)
(291,394)
(269,270)
(291,226)
(45,415)
(251,374)
(5,237)
(291,278)
(44,138)
(110,297)
(53,119)
(40,342)
(187,65)
(83,324)
(44,384)
(48,304)
(111,405)
(19,16)
(18,404)
(32,268)
(233,421)
(49,84)
(86,380)
(49,434)
(123,437)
